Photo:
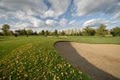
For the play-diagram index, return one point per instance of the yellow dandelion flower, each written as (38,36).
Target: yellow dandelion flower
(25,75)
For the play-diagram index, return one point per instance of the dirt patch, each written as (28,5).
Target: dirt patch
(100,61)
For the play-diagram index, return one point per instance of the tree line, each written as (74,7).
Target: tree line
(87,31)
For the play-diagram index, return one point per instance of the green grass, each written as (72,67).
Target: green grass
(96,39)
(35,57)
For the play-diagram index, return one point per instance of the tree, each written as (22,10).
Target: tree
(101,30)
(42,32)
(6,29)
(25,32)
(35,33)
(16,34)
(63,33)
(88,31)
(115,31)
(72,32)
(29,32)
(11,32)
(56,32)
(46,32)
(80,33)
(20,31)
(1,34)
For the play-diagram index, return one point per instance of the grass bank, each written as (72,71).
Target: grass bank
(34,57)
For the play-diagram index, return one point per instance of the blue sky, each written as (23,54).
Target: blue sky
(59,14)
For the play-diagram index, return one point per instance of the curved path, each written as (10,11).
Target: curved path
(100,61)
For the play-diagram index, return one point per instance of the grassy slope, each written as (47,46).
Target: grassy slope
(7,44)
(30,57)
(35,58)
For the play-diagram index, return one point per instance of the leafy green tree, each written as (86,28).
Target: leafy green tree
(88,31)
(6,29)
(115,31)
(56,32)
(71,32)
(16,34)
(80,33)
(63,33)
(35,33)
(1,34)
(101,30)
(46,32)
(29,32)
(26,33)
(20,31)
(42,32)
(11,32)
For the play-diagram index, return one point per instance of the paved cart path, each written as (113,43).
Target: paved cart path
(100,61)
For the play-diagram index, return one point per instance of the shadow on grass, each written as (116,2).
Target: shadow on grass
(67,51)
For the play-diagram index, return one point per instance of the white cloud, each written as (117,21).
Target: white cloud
(117,15)
(37,22)
(96,22)
(118,3)
(22,16)
(59,6)
(72,22)
(63,22)
(49,13)
(21,25)
(30,7)
(114,22)
(85,7)
(22,4)
(35,8)
(50,22)
(3,16)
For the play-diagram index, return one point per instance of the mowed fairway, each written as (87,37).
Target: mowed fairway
(35,58)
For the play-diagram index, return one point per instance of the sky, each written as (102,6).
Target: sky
(59,14)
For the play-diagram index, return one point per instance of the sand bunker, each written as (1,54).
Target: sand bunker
(100,61)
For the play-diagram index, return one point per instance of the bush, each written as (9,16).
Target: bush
(88,31)
(101,30)
(115,31)
(1,34)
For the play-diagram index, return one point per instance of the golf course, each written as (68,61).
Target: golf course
(37,57)
(59,39)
